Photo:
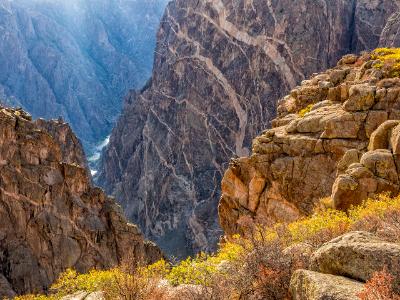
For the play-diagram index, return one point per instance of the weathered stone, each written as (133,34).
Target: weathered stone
(322,153)
(376,173)
(395,140)
(348,59)
(6,291)
(350,157)
(381,163)
(337,76)
(361,97)
(308,285)
(357,255)
(342,125)
(374,119)
(380,138)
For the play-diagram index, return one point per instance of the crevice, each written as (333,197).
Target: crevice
(352,28)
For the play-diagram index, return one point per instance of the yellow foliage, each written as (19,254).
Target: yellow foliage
(201,269)
(305,110)
(377,207)
(35,297)
(389,58)
(304,229)
(70,281)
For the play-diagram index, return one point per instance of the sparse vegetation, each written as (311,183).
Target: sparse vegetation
(305,110)
(389,60)
(257,266)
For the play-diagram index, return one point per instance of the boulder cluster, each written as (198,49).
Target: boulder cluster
(340,268)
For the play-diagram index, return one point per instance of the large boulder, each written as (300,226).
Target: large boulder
(357,255)
(362,175)
(309,285)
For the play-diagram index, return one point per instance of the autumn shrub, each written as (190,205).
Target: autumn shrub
(255,266)
(379,215)
(380,287)
(305,110)
(388,60)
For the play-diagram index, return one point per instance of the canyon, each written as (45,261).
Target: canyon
(220,68)
(76,59)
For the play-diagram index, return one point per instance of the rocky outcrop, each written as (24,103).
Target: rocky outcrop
(308,285)
(71,148)
(357,255)
(76,59)
(342,266)
(51,218)
(220,67)
(391,35)
(319,146)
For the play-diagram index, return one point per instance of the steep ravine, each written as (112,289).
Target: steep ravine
(220,68)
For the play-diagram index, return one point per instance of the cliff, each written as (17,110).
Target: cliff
(76,59)
(390,35)
(51,217)
(219,69)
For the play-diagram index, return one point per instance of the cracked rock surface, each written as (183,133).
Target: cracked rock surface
(51,217)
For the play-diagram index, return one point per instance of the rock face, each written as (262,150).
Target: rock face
(51,218)
(219,69)
(370,18)
(336,134)
(341,266)
(76,58)
(391,36)
(71,148)
(308,285)
(357,255)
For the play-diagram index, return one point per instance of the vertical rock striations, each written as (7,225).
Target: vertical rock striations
(391,34)
(51,218)
(219,68)
(370,17)
(71,148)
